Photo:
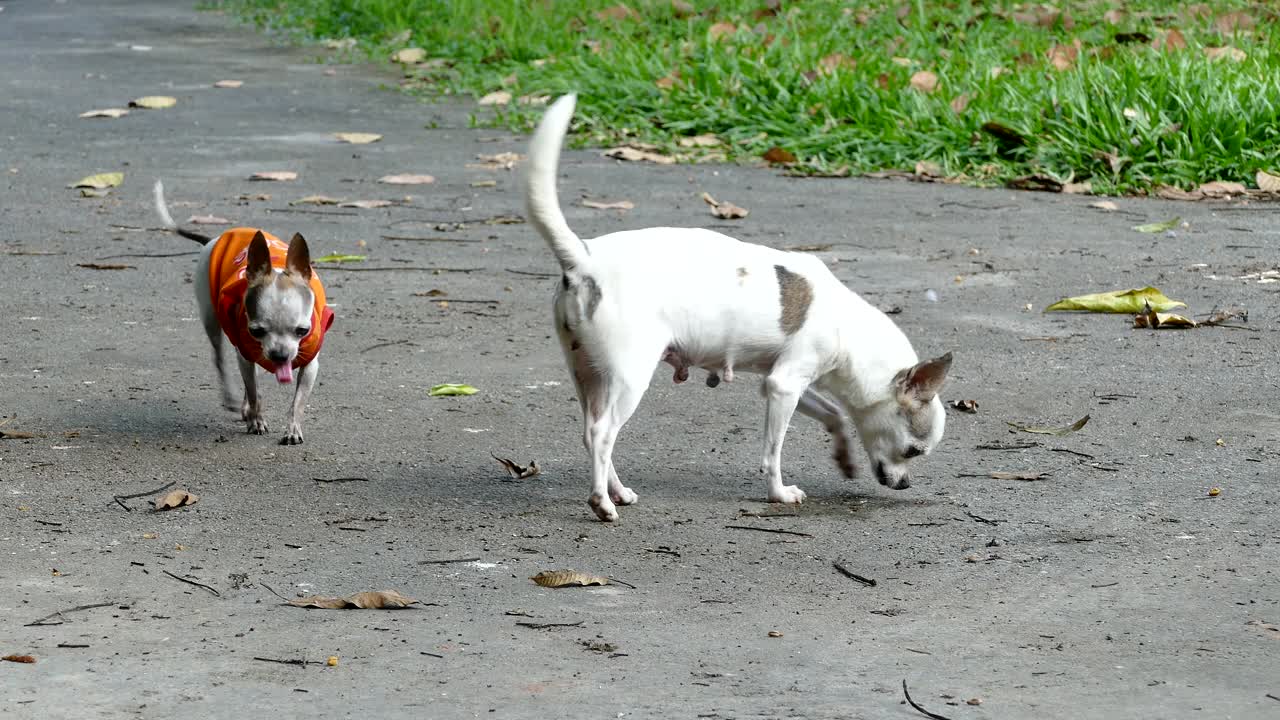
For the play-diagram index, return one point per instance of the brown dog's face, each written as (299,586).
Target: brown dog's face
(908,425)
(279,304)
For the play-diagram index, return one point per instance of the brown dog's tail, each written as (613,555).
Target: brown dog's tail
(163,211)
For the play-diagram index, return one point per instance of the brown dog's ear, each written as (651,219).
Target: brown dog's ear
(299,258)
(921,382)
(259,258)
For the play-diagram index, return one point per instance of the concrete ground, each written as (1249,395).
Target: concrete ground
(1115,587)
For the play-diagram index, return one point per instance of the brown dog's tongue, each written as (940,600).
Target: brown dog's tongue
(284,373)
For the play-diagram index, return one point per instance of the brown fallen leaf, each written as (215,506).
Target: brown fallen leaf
(357,138)
(928,169)
(381,600)
(1221,189)
(724,210)
(498,97)
(1172,40)
(682,9)
(617,12)
(28,659)
(497,161)
(1080,188)
(565,578)
(18,435)
(668,81)
(960,103)
(1042,430)
(1233,54)
(106,113)
(924,81)
(1105,205)
(1267,182)
(1149,318)
(721,29)
(275,175)
(208,220)
(777,156)
(707,140)
(1233,22)
(969,406)
(1063,57)
(175,499)
(228,84)
(106,266)
(1169,192)
(1040,183)
(835,62)
(1220,317)
(366,204)
(517,471)
(316,200)
(406,179)
(1004,134)
(615,205)
(632,154)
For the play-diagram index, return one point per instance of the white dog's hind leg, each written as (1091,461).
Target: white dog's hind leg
(622,388)
(782,391)
(818,407)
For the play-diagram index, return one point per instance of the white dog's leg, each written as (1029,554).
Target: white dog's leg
(305,381)
(251,408)
(609,405)
(782,391)
(818,407)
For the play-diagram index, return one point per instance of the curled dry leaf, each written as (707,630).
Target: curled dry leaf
(27,659)
(498,97)
(1038,183)
(366,204)
(969,406)
(835,62)
(1117,301)
(1045,430)
(409,56)
(497,161)
(1063,57)
(1105,205)
(381,600)
(1267,182)
(154,102)
(617,12)
(228,84)
(208,220)
(777,156)
(1227,315)
(406,179)
(1233,54)
(721,29)
(626,152)
(316,200)
(274,175)
(517,471)
(1169,192)
(1149,318)
(174,499)
(566,578)
(960,103)
(357,138)
(708,140)
(18,435)
(105,113)
(724,210)
(1172,40)
(1080,188)
(928,169)
(924,81)
(1159,227)
(1221,189)
(615,205)
(100,181)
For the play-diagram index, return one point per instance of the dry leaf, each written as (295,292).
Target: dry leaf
(1172,40)
(1169,192)
(1158,227)
(409,56)
(1059,431)
(174,499)
(969,406)
(1028,476)
(316,200)
(721,29)
(565,578)
(615,205)
(1230,23)
(208,220)
(517,471)
(1080,188)
(484,183)
(626,152)
(1115,17)
(17,435)
(99,181)
(682,9)
(1229,314)
(154,102)
(366,204)
(617,12)
(498,97)
(928,169)
(276,175)
(1267,182)
(1225,53)
(960,103)
(836,61)
(339,43)
(1221,189)
(924,81)
(708,140)
(1063,57)
(406,179)
(534,100)
(106,113)
(497,161)
(724,210)
(383,600)
(1038,183)
(1149,318)
(28,659)
(228,84)
(777,156)
(358,138)
(669,81)
(1106,205)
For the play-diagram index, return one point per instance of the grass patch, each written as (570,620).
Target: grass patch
(1125,96)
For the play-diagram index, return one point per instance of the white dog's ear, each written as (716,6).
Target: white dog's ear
(259,259)
(921,382)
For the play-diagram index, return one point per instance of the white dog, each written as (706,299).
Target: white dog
(696,298)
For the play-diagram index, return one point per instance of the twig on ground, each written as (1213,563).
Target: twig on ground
(192,582)
(769,530)
(49,522)
(149,255)
(663,551)
(273,592)
(430,654)
(531,273)
(624,583)
(298,662)
(981,519)
(463,302)
(1273,697)
(77,608)
(341,480)
(922,652)
(853,575)
(449,560)
(1006,446)
(388,344)
(407,238)
(311,212)
(913,704)
(121,498)
(543,626)
(1072,452)
(1105,584)
(407,268)
(72,645)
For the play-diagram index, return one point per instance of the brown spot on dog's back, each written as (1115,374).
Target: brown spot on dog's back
(795,294)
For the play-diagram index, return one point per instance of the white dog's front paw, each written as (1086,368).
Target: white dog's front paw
(293,436)
(603,508)
(786,494)
(623,495)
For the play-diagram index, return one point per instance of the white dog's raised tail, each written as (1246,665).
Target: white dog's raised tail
(540,186)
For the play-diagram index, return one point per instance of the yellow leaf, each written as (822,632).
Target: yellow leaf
(99,181)
(409,56)
(154,102)
(564,578)
(1117,301)
(228,84)
(358,138)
